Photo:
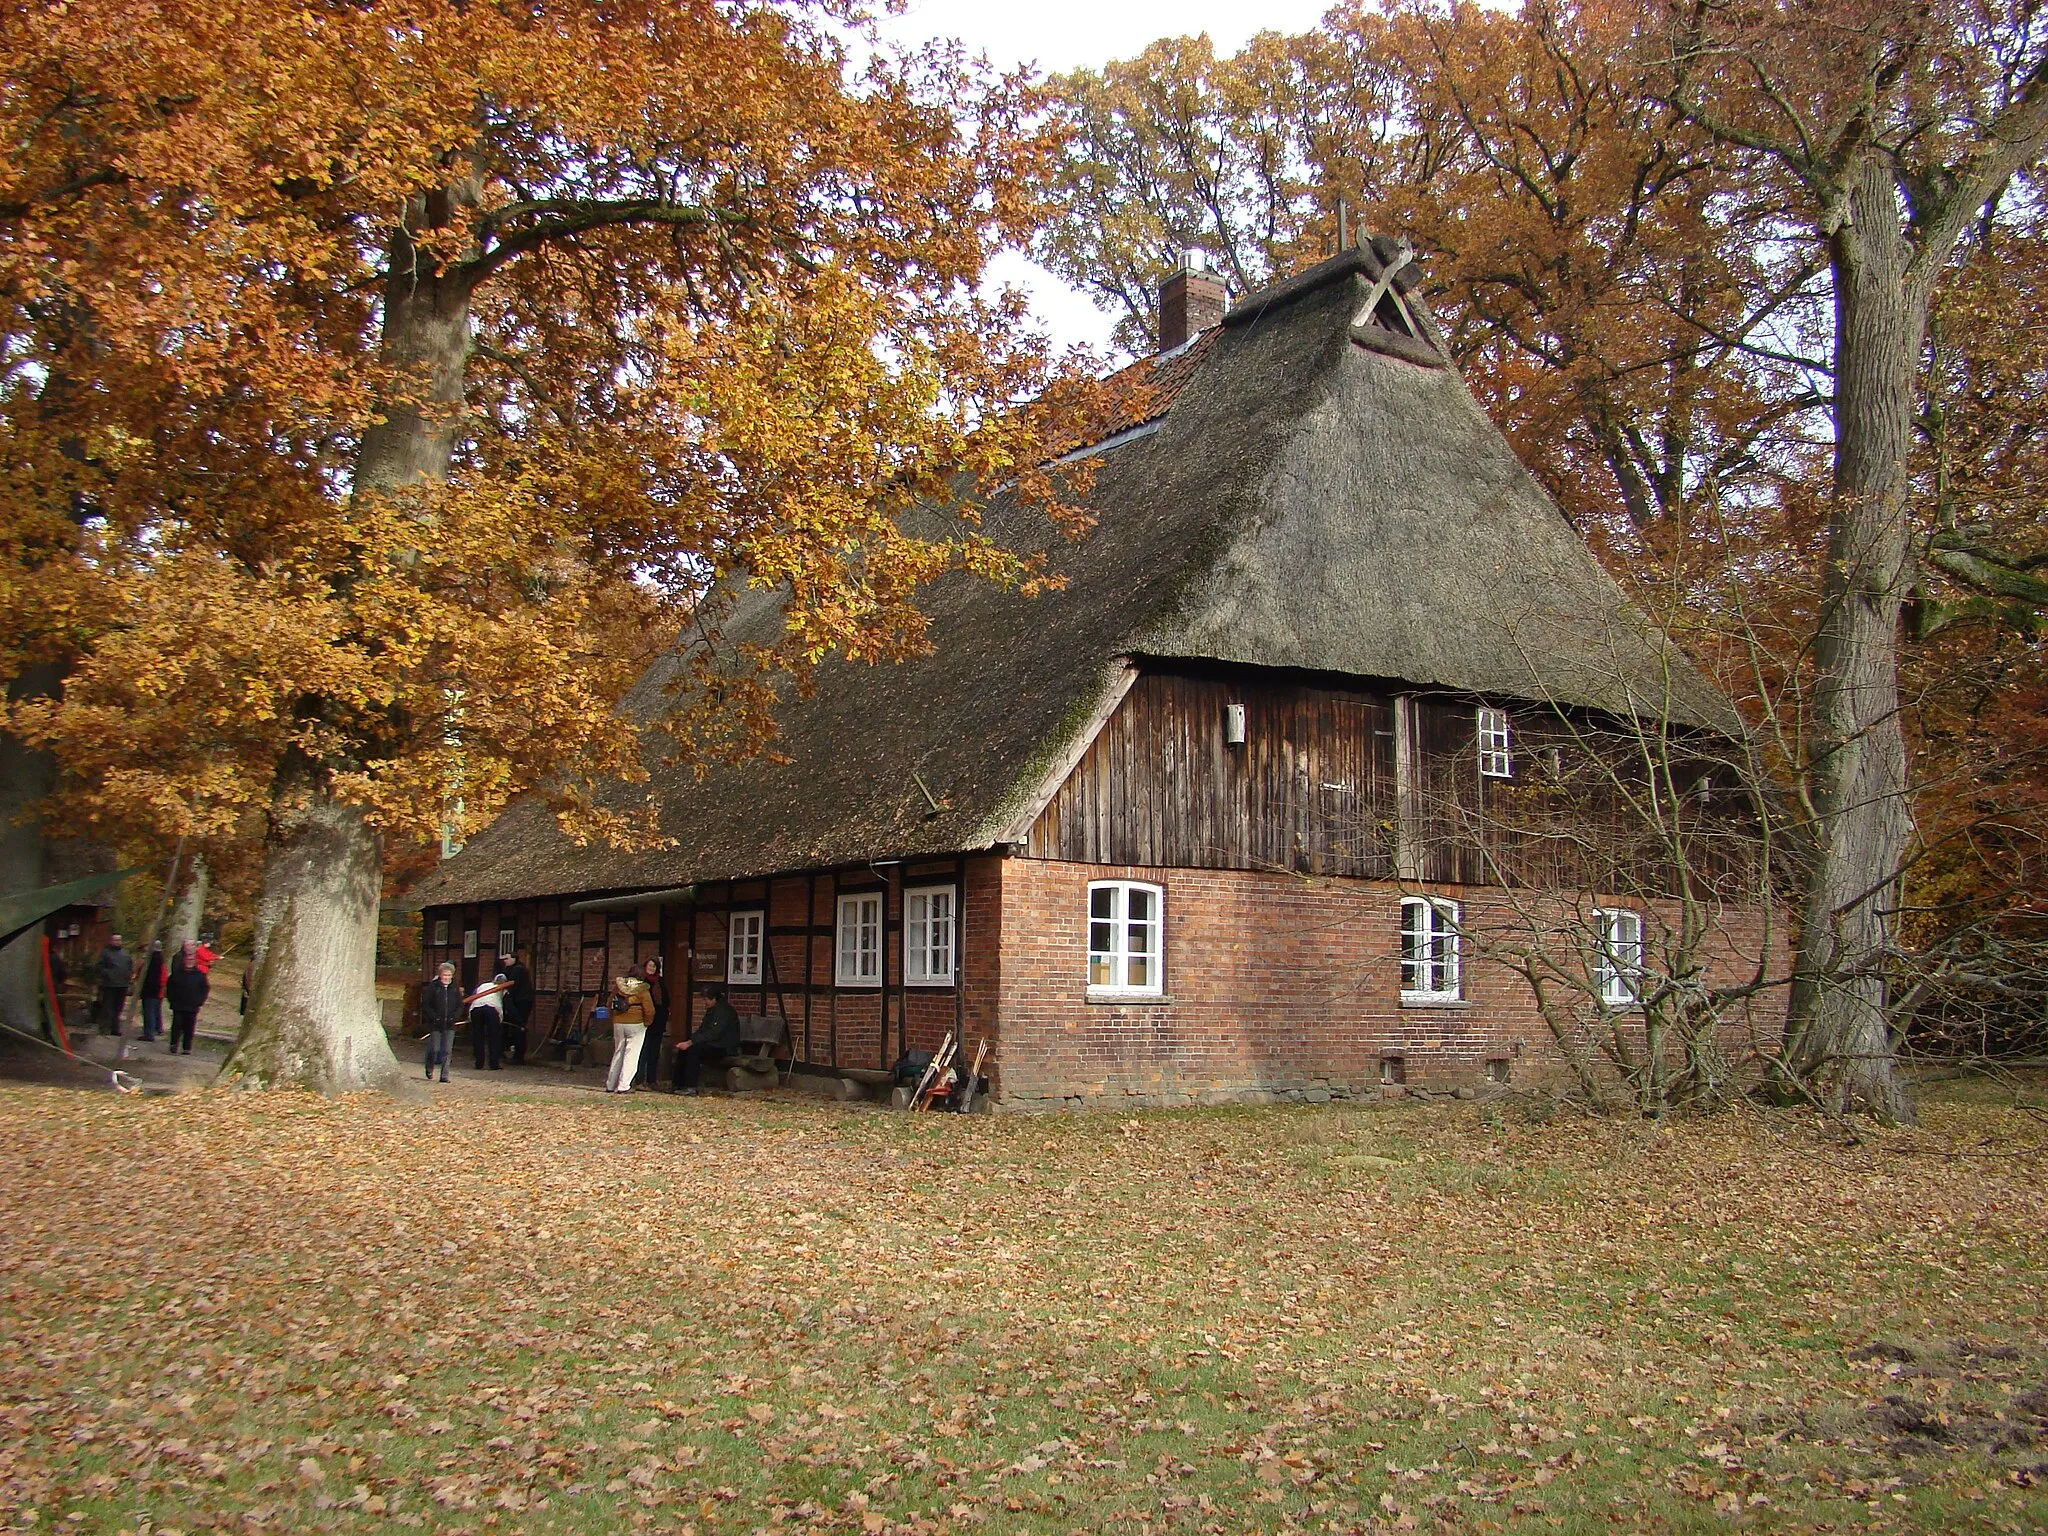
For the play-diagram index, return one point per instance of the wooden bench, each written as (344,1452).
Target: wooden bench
(754,1065)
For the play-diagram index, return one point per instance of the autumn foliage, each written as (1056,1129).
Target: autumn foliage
(1372,1320)
(388,382)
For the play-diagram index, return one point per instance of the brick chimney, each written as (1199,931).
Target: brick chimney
(1191,300)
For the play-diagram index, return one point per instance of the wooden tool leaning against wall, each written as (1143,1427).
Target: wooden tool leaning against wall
(930,1086)
(966,1100)
(931,1071)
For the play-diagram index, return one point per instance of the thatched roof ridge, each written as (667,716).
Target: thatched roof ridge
(1262,302)
(1305,502)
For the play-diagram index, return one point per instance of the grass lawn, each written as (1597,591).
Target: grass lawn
(270,1313)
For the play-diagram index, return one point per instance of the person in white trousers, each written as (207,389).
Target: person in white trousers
(629,1030)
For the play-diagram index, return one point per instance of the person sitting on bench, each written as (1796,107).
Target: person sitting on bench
(716,1038)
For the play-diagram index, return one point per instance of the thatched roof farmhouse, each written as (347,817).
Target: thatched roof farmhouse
(1319,570)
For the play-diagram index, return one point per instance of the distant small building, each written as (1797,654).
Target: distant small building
(1211,822)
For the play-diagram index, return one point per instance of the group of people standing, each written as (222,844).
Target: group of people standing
(497,1014)
(181,984)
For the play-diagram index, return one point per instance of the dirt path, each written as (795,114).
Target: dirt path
(150,1068)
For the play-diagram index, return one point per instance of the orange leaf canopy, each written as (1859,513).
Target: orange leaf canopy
(718,325)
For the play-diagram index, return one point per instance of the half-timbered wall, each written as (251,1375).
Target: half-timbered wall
(571,953)
(833,1025)
(577,955)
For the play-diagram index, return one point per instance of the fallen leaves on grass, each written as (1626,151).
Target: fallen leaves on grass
(260,1311)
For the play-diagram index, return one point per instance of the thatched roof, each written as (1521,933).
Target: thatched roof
(1305,501)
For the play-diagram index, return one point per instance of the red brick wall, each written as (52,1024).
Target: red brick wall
(1277,986)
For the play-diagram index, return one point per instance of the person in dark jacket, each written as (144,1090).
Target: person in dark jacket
(716,1038)
(657,998)
(518,1005)
(185,989)
(115,969)
(153,991)
(441,1010)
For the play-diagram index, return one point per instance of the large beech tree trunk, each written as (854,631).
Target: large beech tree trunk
(313,1018)
(26,775)
(1839,1031)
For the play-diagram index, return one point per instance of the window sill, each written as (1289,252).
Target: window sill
(1424,1000)
(929,986)
(1108,997)
(854,986)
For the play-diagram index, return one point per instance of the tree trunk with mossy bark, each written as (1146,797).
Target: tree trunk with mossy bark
(313,1018)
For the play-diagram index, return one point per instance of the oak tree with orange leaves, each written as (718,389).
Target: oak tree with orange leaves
(389,380)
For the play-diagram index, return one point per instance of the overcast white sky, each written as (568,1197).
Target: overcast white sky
(1056,35)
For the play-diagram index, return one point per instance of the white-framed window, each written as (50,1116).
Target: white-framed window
(440,933)
(1126,939)
(1618,956)
(746,933)
(1429,949)
(860,940)
(508,941)
(469,943)
(929,913)
(1495,759)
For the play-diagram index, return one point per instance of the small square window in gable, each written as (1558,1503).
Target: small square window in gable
(1496,758)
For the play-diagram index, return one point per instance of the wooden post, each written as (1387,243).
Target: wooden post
(1407,791)
(960,945)
(882,938)
(771,972)
(810,969)
(689,971)
(832,970)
